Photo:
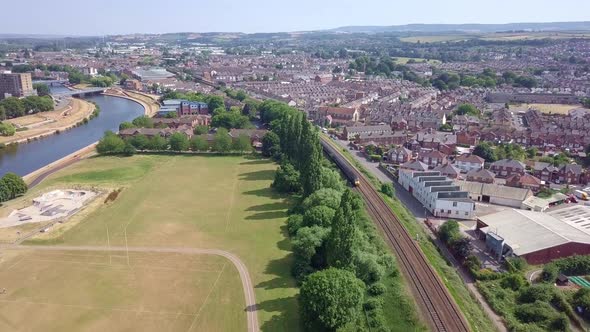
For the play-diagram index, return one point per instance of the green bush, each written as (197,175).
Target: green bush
(376,289)
(513,281)
(543,293)
(387,189)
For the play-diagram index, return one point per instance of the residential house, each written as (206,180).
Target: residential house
(448,170)
(526,181)
(469,162)
(481,175)
(506,167)
(399,155)
(338,115)
(432,158)
(415,165)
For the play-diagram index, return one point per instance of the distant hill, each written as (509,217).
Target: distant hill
(468,28)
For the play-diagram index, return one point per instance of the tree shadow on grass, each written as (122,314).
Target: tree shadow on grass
(257,161)
(269,207)
(268,215)
(281,269)
(286,315)
(268,174)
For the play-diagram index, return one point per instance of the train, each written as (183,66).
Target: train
(350,173)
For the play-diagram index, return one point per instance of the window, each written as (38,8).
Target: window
(449,211)
(466,213)
(454,203)
(456,212)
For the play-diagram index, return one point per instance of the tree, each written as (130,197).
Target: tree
(307,241)
(331,298)
(241,95)
(215,102)
(13,107)
(7,129)
(140,142)
(143,121)
(110,144)
(42,89)
(126,125)
(332,179)
(128,149)
(2,113)
(157,143)
(178,142)
(286,179)
(198,143)
(325,196)
(467,109)
(222,141)
(242,144)
(201,130)
(485,151)
(310,156)
(586,102)
(11,186)
(341,241)
(449,231)
(320,215)
(271,144)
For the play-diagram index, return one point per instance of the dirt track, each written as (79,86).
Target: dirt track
(253,325)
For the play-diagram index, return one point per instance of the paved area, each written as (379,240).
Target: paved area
(252,318)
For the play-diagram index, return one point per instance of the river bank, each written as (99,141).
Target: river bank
(150,105)
(49,123)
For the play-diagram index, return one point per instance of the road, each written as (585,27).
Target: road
(252,318)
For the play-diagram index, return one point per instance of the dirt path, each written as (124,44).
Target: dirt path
(253,325)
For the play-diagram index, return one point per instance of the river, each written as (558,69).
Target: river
(25,158)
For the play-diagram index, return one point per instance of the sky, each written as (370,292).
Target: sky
(107,17)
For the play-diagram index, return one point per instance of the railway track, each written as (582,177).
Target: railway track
(437,305)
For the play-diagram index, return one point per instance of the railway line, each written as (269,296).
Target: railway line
(436,304)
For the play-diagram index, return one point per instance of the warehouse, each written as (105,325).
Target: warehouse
(438,194)
(495,194)
(536,236)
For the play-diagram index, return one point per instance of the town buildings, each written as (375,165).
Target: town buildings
(16,85)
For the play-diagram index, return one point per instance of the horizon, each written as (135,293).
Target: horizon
(265,16)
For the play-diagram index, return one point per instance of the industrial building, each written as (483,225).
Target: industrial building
(16,85)
(438,194)
(537,237)
(495,194)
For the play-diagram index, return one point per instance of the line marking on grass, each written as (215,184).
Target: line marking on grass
(126,246)
(140,267)
(13,265)
(231,199)
(198,313)
(109,243)
(80,306)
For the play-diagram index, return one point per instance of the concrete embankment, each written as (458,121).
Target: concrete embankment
(35,177)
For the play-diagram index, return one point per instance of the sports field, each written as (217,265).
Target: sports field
(97,291)
(167,202)
(547,108)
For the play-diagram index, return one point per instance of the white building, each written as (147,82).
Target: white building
(469,162)
(438,194)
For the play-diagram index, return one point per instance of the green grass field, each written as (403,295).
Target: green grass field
(207,202)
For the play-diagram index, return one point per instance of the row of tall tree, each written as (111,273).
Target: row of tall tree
(111,143)
(339,259)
